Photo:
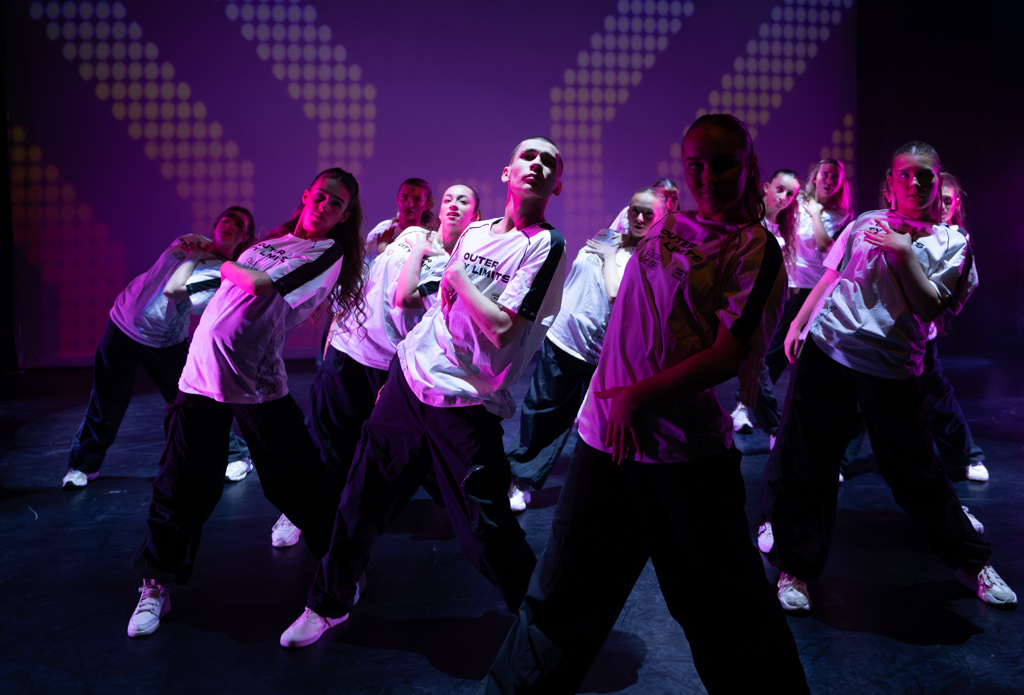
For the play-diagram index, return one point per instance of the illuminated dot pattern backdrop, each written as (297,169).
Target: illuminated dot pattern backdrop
(159,110)
(57,232)
(842,147)
(773,61)
(331,90)
(591,91)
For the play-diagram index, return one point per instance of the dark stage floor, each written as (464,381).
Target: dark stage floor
(888,617)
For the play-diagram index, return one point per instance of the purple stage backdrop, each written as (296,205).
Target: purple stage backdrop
(130,123)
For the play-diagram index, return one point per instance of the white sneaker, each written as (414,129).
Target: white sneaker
(153,605)
(977,472)
(765,537)
(76,478)
(237,470)
(771,442)
(841,478)
(308,628)
(989,586)
(793,594)
(518,497)
(284,534)
(741,420)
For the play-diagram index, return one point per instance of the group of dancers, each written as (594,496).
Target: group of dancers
(435,316)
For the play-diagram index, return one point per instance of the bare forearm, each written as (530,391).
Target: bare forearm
(821,238)
(697,373)
(807,308)
(493,321)
(255,282)
(924,298)
(175,288)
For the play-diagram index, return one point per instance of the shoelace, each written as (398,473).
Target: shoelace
(150,601)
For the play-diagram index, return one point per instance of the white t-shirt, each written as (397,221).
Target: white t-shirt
(580,325)
(447,360)
(808,260)
(373,338)
(867,323)
(686,277)
(148,317)
(235,356)
(373,239)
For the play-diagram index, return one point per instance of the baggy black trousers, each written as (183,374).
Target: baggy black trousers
(816,433)
(117,358)
(341,399)
(549,410)
(949,426)
(191,478)
(402,441)
(688,519)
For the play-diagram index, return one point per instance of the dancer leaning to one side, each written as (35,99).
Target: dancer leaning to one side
(893,273)
(148,327)
(655,474)
(399,288)
(781,219)
(235,369)
(446,393)
(571,350)
(825,207)
(415,208)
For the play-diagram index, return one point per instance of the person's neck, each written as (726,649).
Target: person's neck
(772,215)
(921,215)
(448,243)
(305,234)
(521,213)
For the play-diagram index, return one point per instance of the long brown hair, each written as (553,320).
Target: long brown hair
(347,295)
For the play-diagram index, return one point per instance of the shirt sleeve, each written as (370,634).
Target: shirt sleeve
(373,238)
(835,256)
(430,279)
(306,273)
(542,269)
(753,291)
(955,276)
(202,285)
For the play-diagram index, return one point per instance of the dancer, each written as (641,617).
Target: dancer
(397,291)
(667,191)
(781,218)
(415,207)
(446,393)
(826,206)
(655,474)
(952,434)
(148,327)
(897,271)
(235,368)
(570,352)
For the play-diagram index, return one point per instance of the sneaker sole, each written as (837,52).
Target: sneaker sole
(285,543)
